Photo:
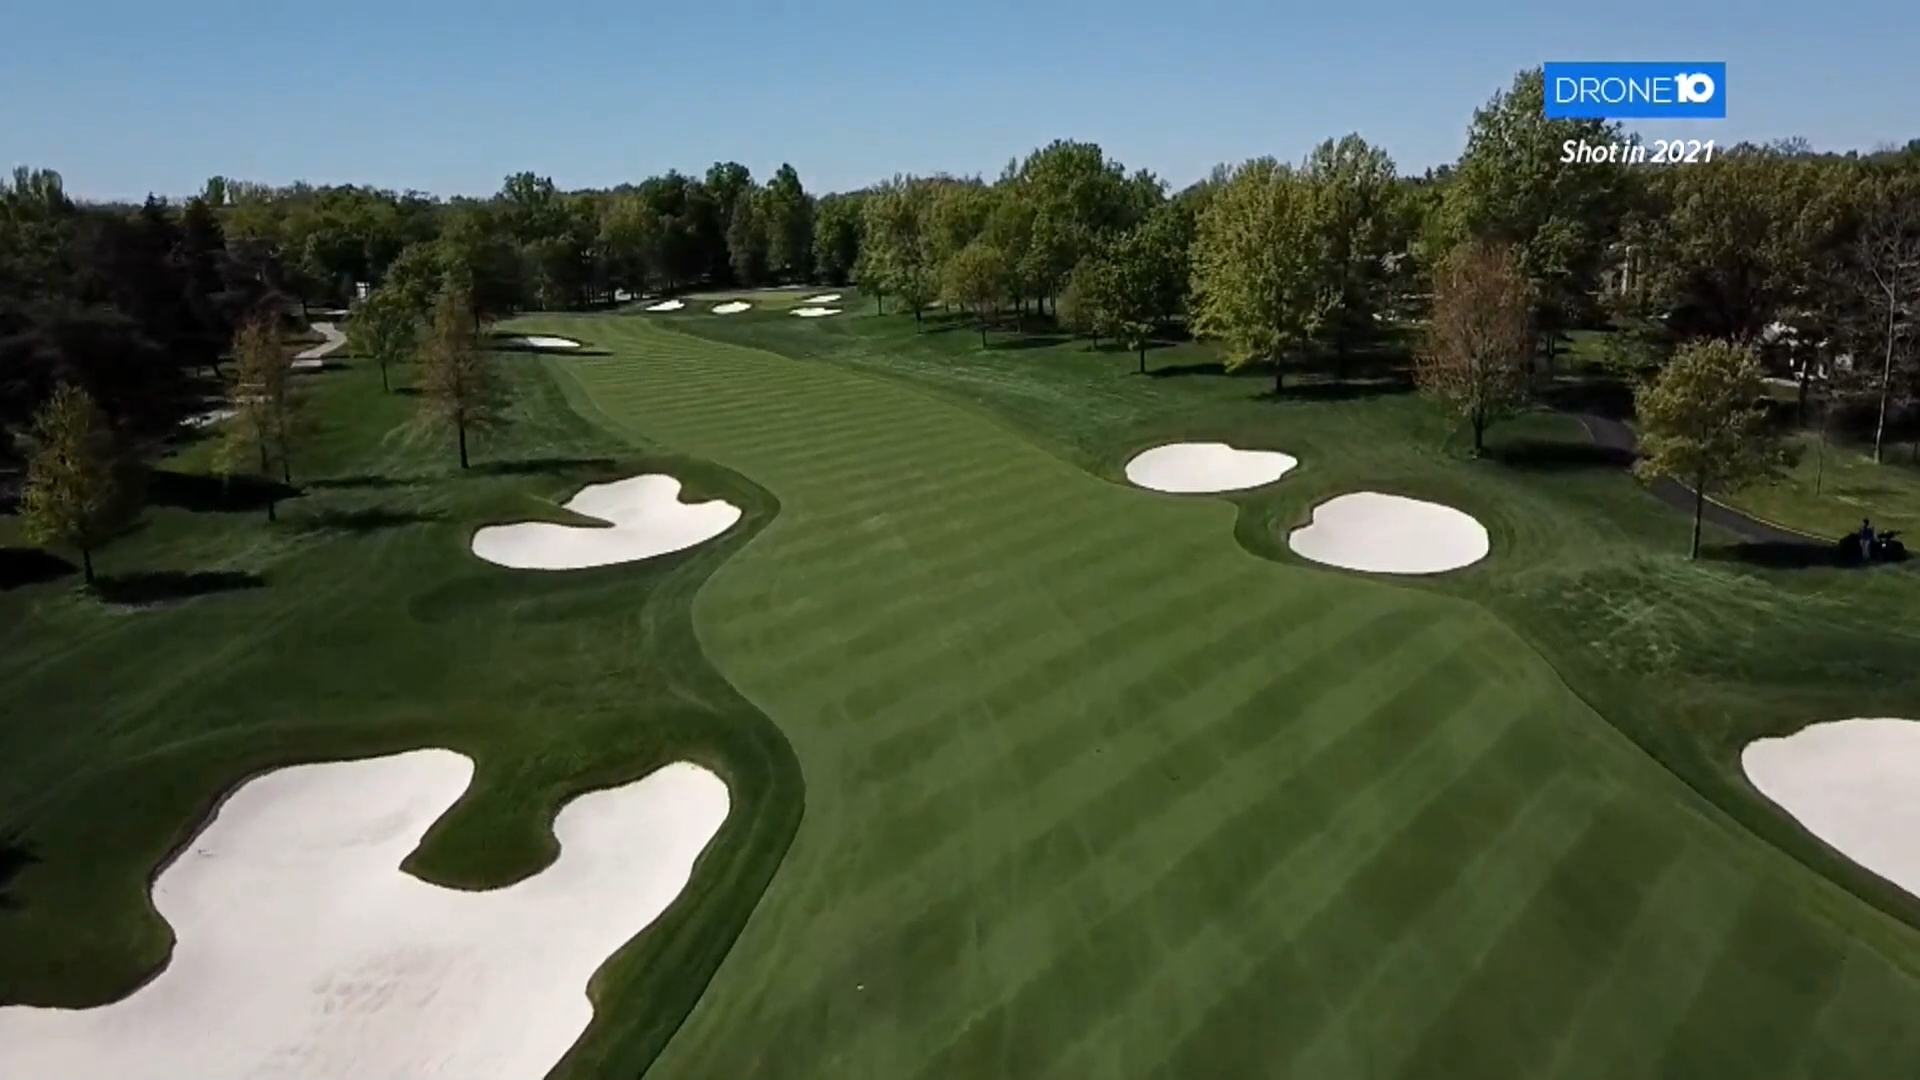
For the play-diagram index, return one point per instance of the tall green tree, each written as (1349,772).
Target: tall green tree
(838,232)
(976,278)
(788,210)
(1256,275)
(385,329)
(747,241)
(1474,359)
(459,390)
(1510,186)
(1701,424)
(1134,283)
(268,421)
(1354,184)
(81,486)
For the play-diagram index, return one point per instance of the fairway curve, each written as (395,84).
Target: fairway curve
(302,949)
(1855,784)
(1093,792)
(1206,468)
(644,518)
(1390,534)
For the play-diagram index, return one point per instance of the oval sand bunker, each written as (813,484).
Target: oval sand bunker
(1193,468)
(1854,784)
(668,305)
(644,517)
(1390,534)
(824,298)
(303,948)
(815,312)
(733,307)
(537,341)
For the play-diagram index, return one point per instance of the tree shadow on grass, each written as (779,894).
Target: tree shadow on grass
(1777,555)
(21,566)
(355,482)
(365,520)
(407,391)
(1338,390)
(1554,455)
(540,466)
(163,586)
(201,493)
(1607,398)
(1202,367)
(15,856)
(1022,342)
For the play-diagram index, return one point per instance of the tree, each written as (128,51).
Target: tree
(267,410)
(975,278)
(385,329)
(747,240)
(1132,284)
(1354,185)
(80,485)
(1256,279)
(1511,186)
(1474,362)
(1700,424)
(838,230)
(458,388)
(1887,254)
(788,211)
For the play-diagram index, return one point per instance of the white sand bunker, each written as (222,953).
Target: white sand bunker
(815,312)
(1190,468)
(644,517)
(825,298)
(1390,534)
(536,341)
(1854,784)
(667,305)
(303,950)
(733,307)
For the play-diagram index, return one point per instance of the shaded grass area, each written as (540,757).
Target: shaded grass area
(1093,792)
(1829,489)
(218,646)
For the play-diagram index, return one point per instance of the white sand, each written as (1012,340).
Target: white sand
(644,516)
(825,298)
(815,312)
(1854,784)
(204,419)
(1390,534)
(315,358)
(732,308)
(668,305)
(304,951)
(536,341)
(1187,468)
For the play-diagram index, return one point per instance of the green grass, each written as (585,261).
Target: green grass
(1827,493)
(1093,791)
(1098,782)
(372,630)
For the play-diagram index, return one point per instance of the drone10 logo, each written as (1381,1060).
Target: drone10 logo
(1676,90)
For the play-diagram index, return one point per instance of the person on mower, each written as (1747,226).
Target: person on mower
(1866,539)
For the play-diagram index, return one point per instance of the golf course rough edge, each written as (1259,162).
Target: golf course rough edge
(644,518)
(1390,534)
(1855,784)
(1204,468)
(303,948)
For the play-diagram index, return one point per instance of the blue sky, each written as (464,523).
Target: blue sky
(126,98)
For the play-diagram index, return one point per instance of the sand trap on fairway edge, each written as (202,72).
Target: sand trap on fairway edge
(667,305)
(644,517)
(825,298)
(1194,468)
(537,341)
(815,312)
(303,949)
(733,307)
(1390,534)
(1854,784)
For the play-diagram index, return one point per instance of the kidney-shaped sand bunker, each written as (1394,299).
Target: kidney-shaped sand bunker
(1854,784)
(644,517)
(1195,468)
(302,949)
(1390,534)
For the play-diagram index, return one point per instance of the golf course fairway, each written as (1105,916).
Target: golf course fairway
(1092,791)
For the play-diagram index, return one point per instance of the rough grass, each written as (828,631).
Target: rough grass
(1093,792)
(1829,489)
(369,628)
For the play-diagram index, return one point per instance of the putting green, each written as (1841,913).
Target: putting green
(1091,791)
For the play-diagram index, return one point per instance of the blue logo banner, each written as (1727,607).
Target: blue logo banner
(1638,90)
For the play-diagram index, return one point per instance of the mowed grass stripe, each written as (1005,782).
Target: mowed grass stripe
(1370,779)
(1166,803)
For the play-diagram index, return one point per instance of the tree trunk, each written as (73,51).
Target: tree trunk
(1279,378)
(1143,359)
(1479,434)
(1886,383)
(271,515)
(86,564)
(463,445)
(1699,510)
(916,318)
(983,331)
(384,388)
